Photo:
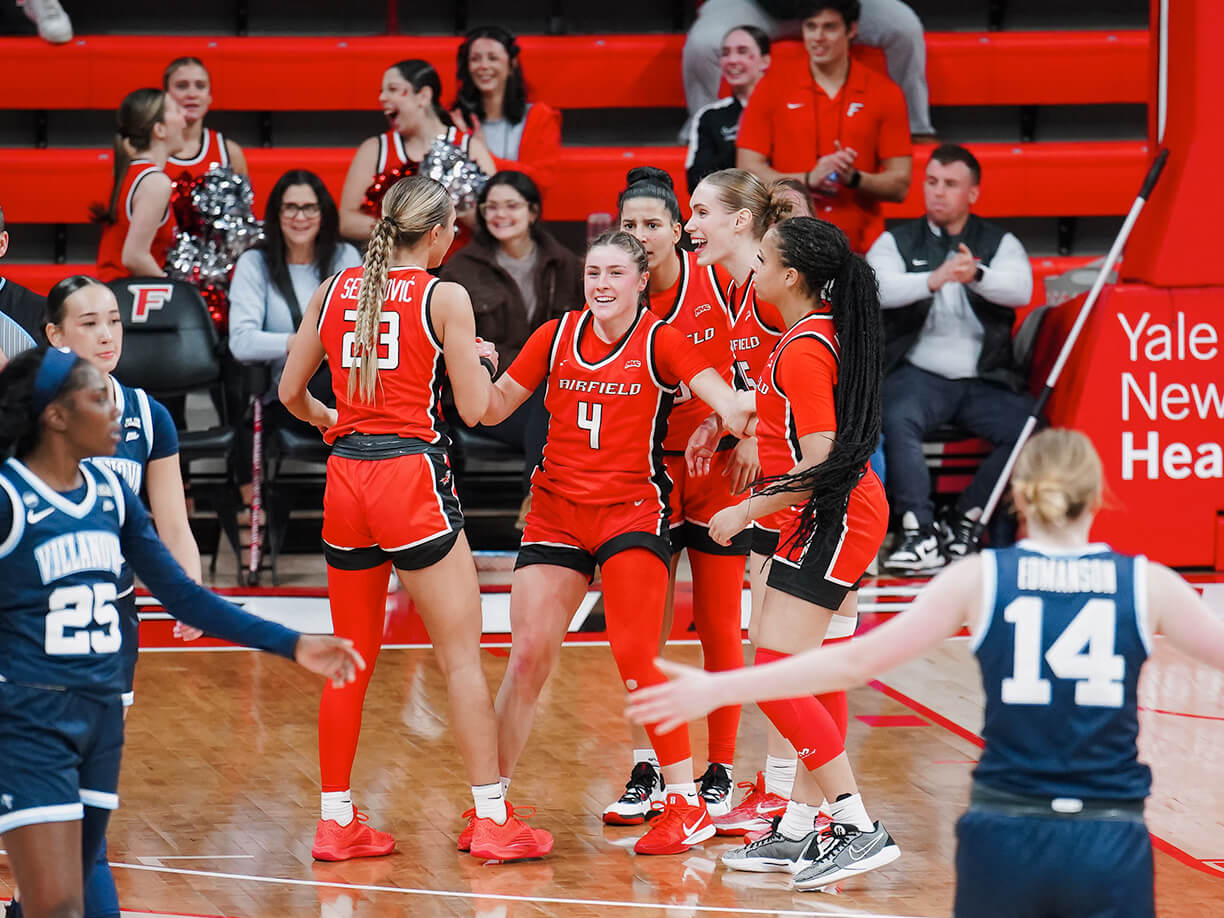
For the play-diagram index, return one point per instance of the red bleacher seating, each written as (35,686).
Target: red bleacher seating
(320,74)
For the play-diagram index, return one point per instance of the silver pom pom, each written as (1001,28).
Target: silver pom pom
(224,201)
(447,164)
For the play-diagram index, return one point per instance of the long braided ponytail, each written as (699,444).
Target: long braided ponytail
(410,209)
(821,254)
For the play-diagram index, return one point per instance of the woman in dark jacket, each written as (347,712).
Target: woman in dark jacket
(518,277)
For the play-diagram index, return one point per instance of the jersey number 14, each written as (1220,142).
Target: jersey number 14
(1084,652)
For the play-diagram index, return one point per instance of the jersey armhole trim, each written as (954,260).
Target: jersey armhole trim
(327,298)
(17,529)
(782,346)
(652,361)
(1143,621)
(120,502)
(146,419)
(427,314)
(989,593)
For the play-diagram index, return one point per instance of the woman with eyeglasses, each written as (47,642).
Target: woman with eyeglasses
(519,277)
(274,282)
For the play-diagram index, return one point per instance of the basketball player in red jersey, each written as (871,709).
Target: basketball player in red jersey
(600,496)
(189,84)
(411,99)
(691,299)
(389,330)
(731,210)
(818,422)
(137,224)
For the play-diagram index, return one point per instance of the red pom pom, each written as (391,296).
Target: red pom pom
(185,215)
(372,202)
(217,301)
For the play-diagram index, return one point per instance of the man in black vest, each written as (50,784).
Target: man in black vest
(950,283)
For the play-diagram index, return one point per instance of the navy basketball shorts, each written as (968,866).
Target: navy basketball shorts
(1034,866)
(61,753)
(129,627)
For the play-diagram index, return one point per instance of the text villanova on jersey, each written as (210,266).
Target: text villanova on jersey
(73,552)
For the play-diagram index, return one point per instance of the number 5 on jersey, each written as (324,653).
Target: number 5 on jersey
(589,416)
(388,339)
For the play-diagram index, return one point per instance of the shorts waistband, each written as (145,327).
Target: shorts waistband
(991,800)
(370,447)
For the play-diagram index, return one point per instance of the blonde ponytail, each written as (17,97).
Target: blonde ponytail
(1058,474)
(411,208)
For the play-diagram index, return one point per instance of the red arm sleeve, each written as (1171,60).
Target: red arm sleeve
(675,357)
(530,367)
(806,372)
(540,147)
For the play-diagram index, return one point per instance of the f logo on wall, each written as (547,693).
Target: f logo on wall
(148,297)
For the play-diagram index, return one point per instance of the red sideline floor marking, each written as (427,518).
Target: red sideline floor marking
(1181,714)
(891,720)
(1157,842)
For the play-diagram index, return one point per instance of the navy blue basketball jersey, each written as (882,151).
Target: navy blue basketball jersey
(1062,641)
(146,433)
(62,563)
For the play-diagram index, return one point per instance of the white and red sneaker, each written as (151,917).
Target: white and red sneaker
(681,826)
(755,812)
(334,842)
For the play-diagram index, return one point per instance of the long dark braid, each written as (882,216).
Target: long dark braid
(821,254)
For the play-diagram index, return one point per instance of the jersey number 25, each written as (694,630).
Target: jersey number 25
(77,609)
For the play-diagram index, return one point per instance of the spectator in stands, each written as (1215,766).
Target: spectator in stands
(950,284)
(138,226)
(21,306)
(887,24)
(518,277)
(189,84)
(411,99)
(53,23)
(714,127)
(273,283)
(492,105)
(837,126)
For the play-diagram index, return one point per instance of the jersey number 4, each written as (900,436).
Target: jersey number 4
(77,609)
(590,414)
(1084,652)
(388,339)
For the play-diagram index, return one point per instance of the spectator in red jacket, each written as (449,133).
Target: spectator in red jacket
(492,104)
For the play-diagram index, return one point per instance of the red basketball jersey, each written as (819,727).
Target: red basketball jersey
(392,155)
(756,326)
(783,417)
(110,248)
(607,418)
(697,308)
(212,153)
(407,401)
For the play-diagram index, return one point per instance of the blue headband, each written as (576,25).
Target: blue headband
(53,372)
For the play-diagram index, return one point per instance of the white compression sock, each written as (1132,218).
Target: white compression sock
(337,806)
(490,802)
(505,783)
(780,775)
(798,820)
(645,755)
(687,791)
(848,808)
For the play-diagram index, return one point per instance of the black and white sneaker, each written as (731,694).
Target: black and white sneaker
(775,853)
(959,536)
(715,789)
(918,550)
(643,795)
(843,851)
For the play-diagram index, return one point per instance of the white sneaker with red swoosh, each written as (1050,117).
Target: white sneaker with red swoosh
(681,826)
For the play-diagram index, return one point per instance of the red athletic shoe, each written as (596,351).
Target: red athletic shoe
(513,840)
(334,842)
(755,812)
(465,837)
(681,826)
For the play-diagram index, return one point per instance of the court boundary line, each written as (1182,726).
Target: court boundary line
(449,894)
(1160,844)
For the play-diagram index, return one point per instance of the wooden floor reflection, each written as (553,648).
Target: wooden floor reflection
(219,798)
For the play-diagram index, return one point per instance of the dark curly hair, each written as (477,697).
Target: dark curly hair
(19,427)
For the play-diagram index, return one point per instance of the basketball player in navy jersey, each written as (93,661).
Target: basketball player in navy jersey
(68,526)
(1060,628)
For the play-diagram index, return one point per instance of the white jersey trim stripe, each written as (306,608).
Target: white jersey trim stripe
(984,615)
(1143,620)
(17,530)
(36,815)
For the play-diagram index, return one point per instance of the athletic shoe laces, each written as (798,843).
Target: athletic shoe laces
(641,782)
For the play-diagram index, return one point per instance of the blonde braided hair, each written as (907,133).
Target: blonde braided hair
(411,208)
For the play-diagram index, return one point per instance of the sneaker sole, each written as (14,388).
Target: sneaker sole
(696,838)
(616,819)
(759,864)
(349,854)
(505,855)
(883,859)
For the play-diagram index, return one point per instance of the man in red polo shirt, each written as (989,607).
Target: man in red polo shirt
(840,127)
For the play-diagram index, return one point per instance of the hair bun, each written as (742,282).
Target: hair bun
(652,174)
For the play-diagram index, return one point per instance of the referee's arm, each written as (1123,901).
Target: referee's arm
(13,339)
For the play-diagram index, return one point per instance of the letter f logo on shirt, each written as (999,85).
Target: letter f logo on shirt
(853,108)
(148,297)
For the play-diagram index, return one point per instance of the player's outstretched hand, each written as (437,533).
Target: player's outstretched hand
(186,632)
(701,446)
(329,656)
(687,696)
